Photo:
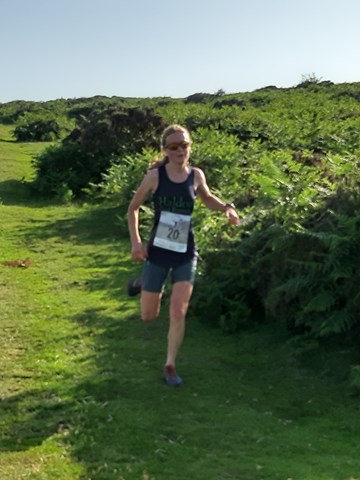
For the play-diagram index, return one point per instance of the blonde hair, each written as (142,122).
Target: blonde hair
(170,130)
(166,133)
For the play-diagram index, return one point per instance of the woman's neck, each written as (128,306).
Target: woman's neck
(177,172)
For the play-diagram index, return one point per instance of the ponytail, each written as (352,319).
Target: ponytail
(158,162)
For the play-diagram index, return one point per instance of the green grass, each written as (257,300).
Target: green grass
(81,390)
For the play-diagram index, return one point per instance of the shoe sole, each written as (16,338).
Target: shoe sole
(133,288)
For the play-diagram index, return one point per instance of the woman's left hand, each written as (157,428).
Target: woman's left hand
(232,216)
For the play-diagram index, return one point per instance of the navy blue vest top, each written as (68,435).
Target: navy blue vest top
(177,198)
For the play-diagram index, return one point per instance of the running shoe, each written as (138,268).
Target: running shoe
(170,376)
(134,287)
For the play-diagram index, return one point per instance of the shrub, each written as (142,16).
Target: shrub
(37,131)
(89,151)
(119,183)
(63,168)
(290,161)
(297,261)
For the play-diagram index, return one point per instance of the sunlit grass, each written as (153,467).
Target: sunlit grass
(81,390)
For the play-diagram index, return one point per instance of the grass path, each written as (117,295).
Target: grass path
(81,395)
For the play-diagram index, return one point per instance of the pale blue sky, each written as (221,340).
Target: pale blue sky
(148,48)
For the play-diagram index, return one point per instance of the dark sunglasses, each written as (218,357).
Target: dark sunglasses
(175,146)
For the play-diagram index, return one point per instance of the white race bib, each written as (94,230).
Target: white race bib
(173,231)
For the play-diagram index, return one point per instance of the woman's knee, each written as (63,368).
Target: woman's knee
(178,309)
(148,315)
(180,299)
(150,306)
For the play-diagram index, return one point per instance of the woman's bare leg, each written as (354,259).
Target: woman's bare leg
(179,303)
(150,305)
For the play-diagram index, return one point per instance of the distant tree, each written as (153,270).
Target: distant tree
(308,79)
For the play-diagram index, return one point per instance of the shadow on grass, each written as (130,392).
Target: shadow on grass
(94,225)
(20,193)
(31,417)
(107,417)
(100,414)
(15,192)
(241,394)
(120,420)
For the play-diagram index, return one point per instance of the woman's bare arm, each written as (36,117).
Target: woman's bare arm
(212,201)
(148,184)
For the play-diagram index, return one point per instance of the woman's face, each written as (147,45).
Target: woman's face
(178,147)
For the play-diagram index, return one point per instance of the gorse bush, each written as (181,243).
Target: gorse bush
(89,151)
(67,169)
(38,131)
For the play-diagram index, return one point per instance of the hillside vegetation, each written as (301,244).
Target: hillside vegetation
(288,158)
(81,392)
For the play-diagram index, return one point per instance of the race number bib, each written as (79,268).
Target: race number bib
(172,232)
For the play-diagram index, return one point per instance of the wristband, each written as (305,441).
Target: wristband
(229,205)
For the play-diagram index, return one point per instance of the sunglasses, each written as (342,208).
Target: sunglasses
(175,146)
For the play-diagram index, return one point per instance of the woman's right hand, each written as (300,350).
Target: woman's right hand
(138,252)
